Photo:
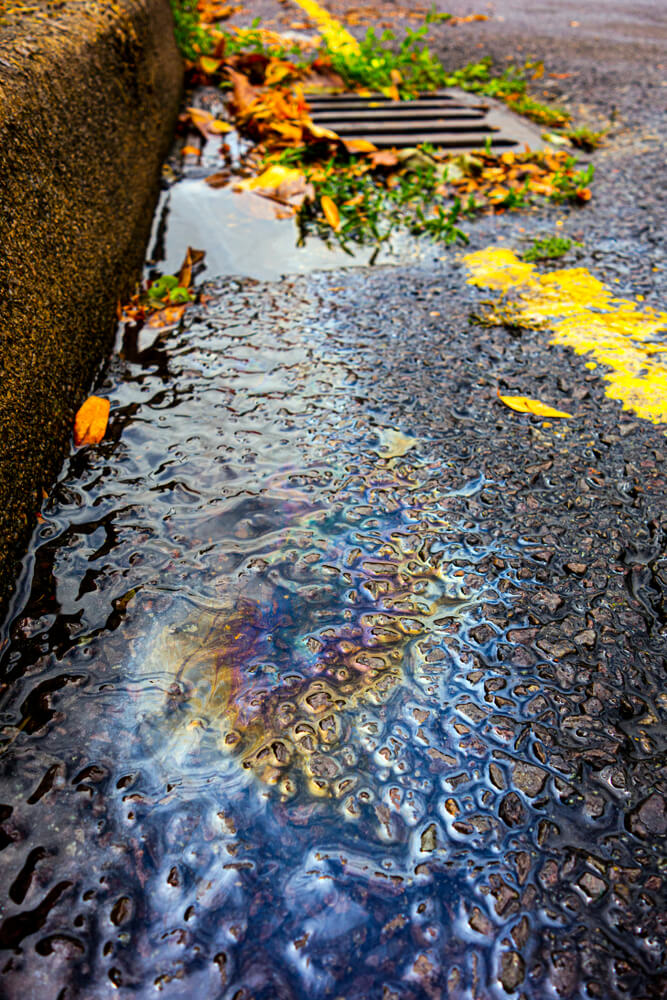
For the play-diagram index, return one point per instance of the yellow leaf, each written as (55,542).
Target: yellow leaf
(523,404)
(90,422)
(318,132)
(330,210)
(270,179)
(219,128)
(191,151)
(396,77)
(209,64)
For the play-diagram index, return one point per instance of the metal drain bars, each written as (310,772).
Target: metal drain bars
(449,119)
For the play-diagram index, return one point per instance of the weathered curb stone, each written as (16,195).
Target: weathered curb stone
(89,92)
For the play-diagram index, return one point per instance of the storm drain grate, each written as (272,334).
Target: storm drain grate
(449,119)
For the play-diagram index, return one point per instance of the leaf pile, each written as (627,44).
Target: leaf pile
(348,188)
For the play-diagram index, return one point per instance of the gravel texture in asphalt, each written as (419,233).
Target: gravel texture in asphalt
(331,676)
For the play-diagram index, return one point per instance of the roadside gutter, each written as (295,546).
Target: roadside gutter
(89,93)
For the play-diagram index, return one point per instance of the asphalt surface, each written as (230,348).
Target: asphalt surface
(312,471)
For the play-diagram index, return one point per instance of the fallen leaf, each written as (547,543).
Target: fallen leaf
(318,132)
(191,258)
(331,213)
(209,64)
(244,92)
(218,180)
(220,128)
(359,146)
(384,158)
(270,179)
(90,422)
(191,151)
(468,19)
(523,404)
(166,317)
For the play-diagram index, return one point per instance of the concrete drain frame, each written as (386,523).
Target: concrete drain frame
(450,119)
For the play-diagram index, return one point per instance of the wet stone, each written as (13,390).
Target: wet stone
(496,776)
(556,647)
(528,778)
(592,886)
(429,838)
(650,817)
(480,922)
(511,810)
(512,971)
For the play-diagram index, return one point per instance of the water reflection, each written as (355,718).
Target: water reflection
(269,723)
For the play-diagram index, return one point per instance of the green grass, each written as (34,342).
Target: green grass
(510,87)
(418,69)
(585,138)
(548,248)
(192,40)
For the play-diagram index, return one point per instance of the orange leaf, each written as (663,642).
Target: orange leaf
(523,404)
(359,146)
(166,317)
(90,422)
(191,151)
(331,213)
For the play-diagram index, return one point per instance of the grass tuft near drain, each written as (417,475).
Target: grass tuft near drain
(370,193)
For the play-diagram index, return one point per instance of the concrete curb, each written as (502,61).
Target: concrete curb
(89,92)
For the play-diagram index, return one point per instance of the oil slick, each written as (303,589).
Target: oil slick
(583,314)
(283,681)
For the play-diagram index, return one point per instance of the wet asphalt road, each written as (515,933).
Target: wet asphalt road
(544,774)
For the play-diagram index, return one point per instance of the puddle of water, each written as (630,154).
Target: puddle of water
(241,686)
(242,236)
(269,726)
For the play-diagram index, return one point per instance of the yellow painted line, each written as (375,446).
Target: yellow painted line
(332,31)
(583,314)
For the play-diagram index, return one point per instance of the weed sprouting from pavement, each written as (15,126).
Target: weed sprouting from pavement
(548,248)
(585,138)
(192,37)
(297,164)
(407,69)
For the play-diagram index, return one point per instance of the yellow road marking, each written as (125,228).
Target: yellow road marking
(333,32)
(585,315)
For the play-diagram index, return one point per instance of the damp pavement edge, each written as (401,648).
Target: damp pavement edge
(89,93)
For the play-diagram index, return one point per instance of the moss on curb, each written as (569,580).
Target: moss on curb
(89,91)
